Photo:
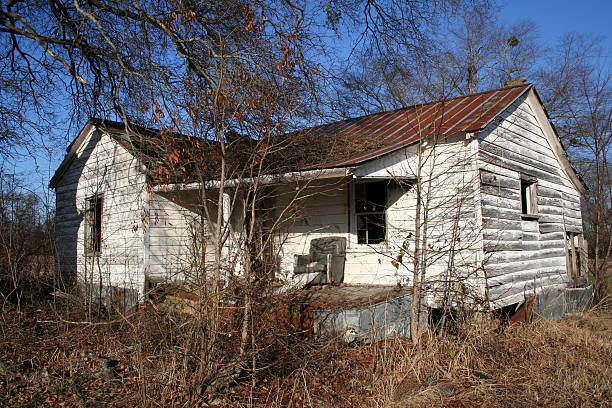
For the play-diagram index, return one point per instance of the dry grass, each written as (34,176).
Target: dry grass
(555,364)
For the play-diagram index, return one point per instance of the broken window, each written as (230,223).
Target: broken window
(529,197)
(370,206)
(573,256)
(93,225)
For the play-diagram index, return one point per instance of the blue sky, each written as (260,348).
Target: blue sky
(556,17)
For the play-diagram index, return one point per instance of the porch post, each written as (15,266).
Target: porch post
(226,211)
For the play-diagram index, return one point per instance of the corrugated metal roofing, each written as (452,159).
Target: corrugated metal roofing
(402,127)
(339,144)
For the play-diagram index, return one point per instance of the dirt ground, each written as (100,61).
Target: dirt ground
(51,359)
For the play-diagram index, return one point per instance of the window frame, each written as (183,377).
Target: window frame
(94,206)
(368,214)
(528,192)
(573,256)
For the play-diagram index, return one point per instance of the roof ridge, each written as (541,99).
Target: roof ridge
(120,126)
(409,107)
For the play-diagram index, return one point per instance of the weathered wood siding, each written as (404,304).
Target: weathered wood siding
(103,167)
(471,201)
(448,185)
(520,252)
(175,238)
(174,223)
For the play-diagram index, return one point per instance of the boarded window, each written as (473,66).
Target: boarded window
(370,207)
(93,225)
(573,253)
(529,196)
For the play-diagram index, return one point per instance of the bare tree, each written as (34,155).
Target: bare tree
(579,77)
(223,82)
(26,244)
(479,52)
(464,49)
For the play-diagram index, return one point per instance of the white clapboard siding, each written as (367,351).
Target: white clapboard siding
(519,251)
(470,193)
(103,167)
(451,208)
(303,213)
(172,228)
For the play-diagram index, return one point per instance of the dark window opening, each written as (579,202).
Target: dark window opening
(370,207)
(529,197)
(93,225)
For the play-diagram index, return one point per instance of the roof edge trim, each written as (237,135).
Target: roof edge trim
(71,150)
(506,106)
(560,151)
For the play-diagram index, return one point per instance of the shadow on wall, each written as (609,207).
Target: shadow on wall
(67,236)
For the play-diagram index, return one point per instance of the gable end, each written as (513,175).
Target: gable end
(555,142)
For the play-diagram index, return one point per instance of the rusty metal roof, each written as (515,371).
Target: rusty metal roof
(339,144)
(402,127)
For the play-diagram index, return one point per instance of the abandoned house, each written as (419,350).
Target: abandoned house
(483,177)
